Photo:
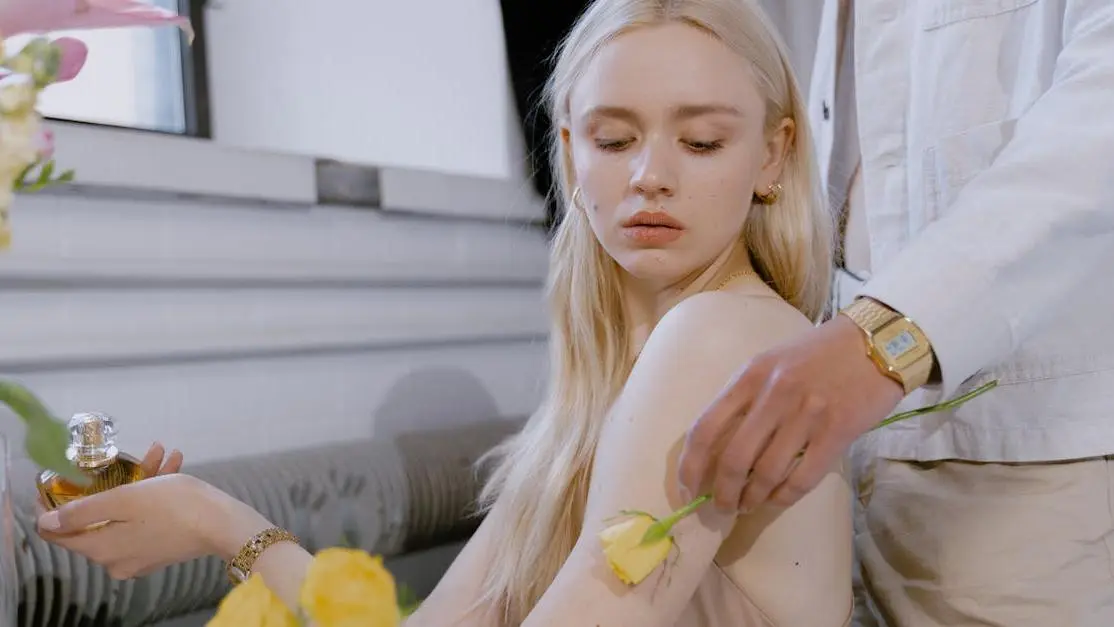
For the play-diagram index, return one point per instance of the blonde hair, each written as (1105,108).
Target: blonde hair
(542,476)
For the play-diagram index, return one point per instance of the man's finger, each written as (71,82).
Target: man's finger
(736,463)
(775,462)
(709,431)
(818,459)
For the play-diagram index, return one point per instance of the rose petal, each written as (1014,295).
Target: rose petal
(74,53)
(30,16)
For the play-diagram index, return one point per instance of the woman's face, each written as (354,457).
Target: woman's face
(668,145)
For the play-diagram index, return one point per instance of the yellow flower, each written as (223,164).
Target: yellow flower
(349,588)
(252,604)
(631,559)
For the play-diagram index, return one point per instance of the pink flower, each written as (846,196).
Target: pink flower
(74,53)
(44,144)
(36,16)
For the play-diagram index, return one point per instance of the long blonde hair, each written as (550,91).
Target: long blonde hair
(542,475)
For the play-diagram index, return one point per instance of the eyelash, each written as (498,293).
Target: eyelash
(697,147)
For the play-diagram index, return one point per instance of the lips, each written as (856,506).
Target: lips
(652,228)
(652,219)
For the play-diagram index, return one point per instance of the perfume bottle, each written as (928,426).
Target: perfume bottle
(93,450)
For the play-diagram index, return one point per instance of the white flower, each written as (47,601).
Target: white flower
(19,144)
(18,95)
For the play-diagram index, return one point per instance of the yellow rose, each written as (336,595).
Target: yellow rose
(631,559)
(252,604)
(349,588)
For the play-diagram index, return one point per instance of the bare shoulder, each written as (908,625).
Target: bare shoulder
(728,327)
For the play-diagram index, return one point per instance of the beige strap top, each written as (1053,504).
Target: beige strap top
(720,602)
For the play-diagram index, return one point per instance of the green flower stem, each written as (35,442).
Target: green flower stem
(661,528)
(946,405)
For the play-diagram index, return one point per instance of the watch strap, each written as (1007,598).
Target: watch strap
(239,569)
(872,316)
(869,314)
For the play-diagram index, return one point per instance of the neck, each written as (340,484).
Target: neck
(646,301)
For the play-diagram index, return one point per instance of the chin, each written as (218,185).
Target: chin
(651,264)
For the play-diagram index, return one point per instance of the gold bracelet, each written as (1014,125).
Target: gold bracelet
(239,569)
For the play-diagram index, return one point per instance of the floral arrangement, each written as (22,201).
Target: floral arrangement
(641,542)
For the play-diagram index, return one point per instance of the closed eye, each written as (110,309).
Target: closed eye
(702,147)
(613,145)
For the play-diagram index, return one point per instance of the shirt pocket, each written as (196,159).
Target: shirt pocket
(954,160)
(936,14)
(977,61)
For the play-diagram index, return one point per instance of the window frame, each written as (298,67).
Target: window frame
(195,82)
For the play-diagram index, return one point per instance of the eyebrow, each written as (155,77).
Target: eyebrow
(680,112)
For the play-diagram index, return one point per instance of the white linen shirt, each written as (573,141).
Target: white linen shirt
(986,131)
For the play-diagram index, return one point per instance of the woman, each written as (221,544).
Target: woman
(694,238)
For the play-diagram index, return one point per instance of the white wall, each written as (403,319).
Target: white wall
(198,294)
(421,85)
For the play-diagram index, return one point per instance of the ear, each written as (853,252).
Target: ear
(778,144)
(566,139)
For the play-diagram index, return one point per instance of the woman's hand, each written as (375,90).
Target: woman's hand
(156,522)
(153,462)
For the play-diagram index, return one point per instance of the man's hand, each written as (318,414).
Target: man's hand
(816,395)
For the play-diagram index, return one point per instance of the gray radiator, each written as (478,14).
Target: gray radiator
(387,497)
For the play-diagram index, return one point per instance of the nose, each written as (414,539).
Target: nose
(654,173)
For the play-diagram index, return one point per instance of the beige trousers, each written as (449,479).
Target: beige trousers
(956,543)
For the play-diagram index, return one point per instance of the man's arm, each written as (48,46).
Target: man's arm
(689,358)
(1034,226)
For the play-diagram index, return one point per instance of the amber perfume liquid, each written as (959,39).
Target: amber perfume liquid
(93,452)
(56,490)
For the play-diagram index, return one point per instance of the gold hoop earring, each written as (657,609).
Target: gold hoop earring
(577,198)
(773,192)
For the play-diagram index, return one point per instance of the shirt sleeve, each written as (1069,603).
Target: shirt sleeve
(1034,226)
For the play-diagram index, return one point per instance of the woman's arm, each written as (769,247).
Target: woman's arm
(687,361)
(232,523)
(284,565)
(454,602)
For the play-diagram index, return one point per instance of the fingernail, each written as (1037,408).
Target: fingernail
(50,521)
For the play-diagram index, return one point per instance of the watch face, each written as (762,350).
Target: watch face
(900,344)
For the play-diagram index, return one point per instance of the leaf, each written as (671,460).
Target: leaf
(45,172)
(47,438)
(20,181)
(408,600)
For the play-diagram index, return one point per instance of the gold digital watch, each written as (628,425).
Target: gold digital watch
(894,343)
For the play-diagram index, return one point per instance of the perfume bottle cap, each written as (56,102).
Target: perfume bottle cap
(92,440)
